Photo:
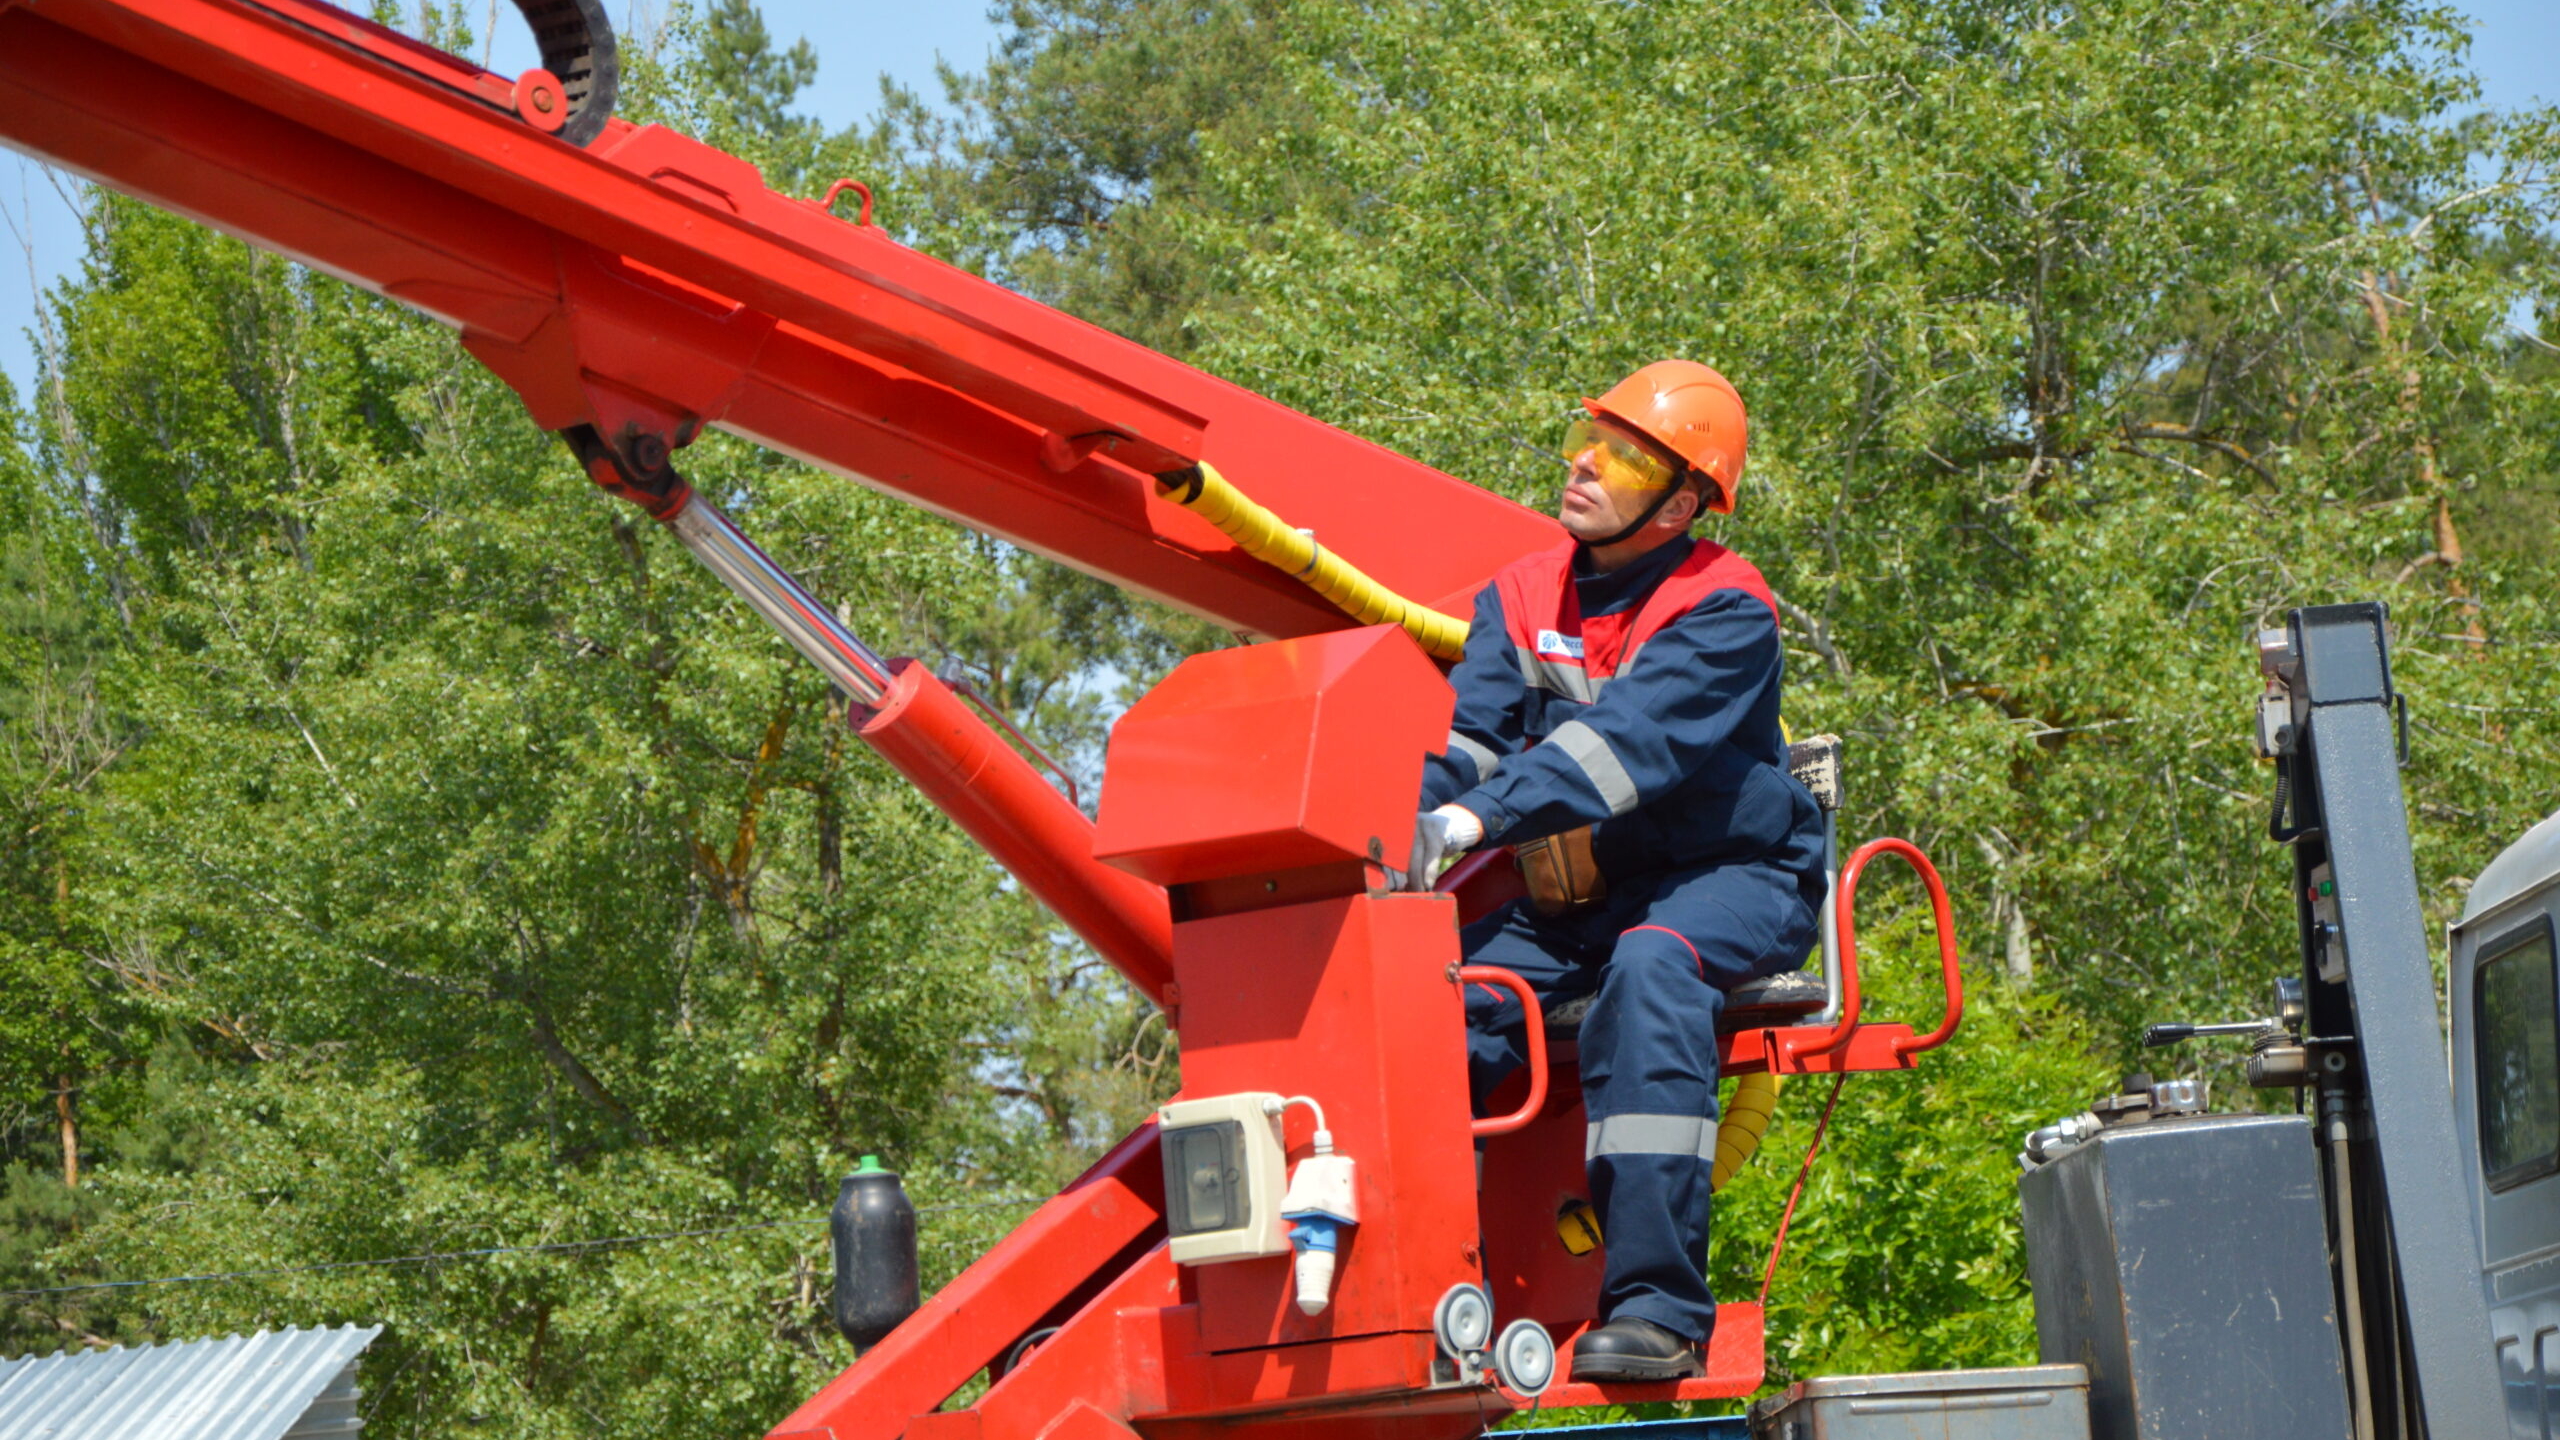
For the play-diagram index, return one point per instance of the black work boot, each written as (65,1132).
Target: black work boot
(1634,1349)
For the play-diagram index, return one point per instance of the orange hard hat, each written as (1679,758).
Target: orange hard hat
(1689,410)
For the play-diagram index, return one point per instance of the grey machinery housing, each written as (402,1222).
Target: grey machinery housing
(2330,1272)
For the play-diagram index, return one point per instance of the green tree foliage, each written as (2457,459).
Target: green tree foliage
(1044,168)
(747,77)
(55,743)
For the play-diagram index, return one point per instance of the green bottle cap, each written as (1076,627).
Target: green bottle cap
(871,1166)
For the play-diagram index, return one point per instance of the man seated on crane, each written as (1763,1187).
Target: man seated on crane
(1617,725)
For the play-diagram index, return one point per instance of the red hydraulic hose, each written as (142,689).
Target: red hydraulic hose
(1005,804)
(1787,1216)
(1950,976)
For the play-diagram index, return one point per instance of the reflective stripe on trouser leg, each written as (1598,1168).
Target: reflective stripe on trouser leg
(1693,1135)
(1649,1083)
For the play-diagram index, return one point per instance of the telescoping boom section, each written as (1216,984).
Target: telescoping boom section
(646,284)
(1316,1237)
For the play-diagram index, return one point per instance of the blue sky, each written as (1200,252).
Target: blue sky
(2516,50)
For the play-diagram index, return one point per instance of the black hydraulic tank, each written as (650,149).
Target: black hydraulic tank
(2184,1261)
(874,1229)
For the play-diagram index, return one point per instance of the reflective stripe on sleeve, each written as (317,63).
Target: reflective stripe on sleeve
(1689,1135)
(1570,681)
(1599,763)
(1479,755)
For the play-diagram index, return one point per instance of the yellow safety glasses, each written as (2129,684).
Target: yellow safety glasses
(1621,462)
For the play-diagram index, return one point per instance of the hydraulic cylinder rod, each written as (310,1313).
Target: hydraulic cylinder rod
(810,626)
(962,765)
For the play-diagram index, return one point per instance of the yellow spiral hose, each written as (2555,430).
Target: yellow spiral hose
(1265,537)
(1746,1121)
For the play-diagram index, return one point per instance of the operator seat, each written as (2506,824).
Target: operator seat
(1773,1000)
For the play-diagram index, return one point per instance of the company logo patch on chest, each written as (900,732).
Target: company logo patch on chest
(1554,646)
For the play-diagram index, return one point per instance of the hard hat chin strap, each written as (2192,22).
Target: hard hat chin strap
(1641,521)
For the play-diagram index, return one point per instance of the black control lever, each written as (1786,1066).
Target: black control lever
(2174,1031)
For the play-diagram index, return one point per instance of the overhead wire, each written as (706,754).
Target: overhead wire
(562,1247)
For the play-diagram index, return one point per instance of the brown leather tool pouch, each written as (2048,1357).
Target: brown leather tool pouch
(1560,872)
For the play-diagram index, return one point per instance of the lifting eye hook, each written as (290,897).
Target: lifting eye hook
(858,188)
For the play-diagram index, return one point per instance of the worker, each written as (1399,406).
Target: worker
(1617,725)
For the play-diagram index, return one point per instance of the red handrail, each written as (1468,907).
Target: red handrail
(1846,900)
(1537,1021)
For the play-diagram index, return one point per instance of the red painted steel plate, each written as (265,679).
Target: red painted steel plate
(1274,757)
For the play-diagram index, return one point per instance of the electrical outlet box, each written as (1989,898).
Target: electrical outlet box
(1224,1170)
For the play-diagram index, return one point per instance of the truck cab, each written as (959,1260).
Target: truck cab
(2505,1001)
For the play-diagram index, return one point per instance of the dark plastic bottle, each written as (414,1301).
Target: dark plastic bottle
(875,1241)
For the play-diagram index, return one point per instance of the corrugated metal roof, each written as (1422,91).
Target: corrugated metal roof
(268,1386)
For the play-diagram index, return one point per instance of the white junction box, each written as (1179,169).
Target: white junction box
(1224,1170)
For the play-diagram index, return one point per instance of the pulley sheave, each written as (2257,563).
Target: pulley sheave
(576,43)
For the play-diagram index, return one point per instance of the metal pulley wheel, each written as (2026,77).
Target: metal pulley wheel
(572,94)
(1524,1358)
(1462,1322)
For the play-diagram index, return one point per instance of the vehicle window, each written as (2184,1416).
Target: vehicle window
(2519,1044)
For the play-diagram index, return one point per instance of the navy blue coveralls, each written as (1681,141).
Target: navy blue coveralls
(1712,853)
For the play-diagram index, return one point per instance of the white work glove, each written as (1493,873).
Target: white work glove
(1440,836)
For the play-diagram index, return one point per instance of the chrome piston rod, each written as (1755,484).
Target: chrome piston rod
(809,625)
